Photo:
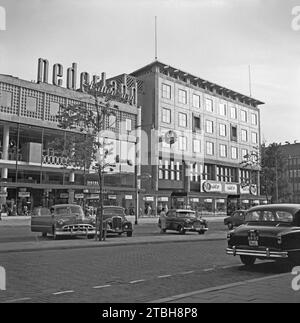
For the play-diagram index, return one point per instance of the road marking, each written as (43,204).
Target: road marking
(18,300)
(137,281)
(164,276)
(187,272)
(102,286)
(208,269)
(63,292)
(216,288)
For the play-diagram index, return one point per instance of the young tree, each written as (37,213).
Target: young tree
(274,175)
(87,148)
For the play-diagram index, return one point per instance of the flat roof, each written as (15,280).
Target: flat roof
(196,78)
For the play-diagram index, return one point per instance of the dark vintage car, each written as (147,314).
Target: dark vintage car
(115,220)
(62,220)
(182,220)
(236,219)
(270,232)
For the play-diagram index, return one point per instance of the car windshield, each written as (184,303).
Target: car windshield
(67,210)
(110,212)
(186,214)
(269,216)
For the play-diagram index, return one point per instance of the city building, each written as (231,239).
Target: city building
(291,152)
(32,173)
(198,134)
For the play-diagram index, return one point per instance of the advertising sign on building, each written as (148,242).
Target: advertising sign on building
(163,199)
(231,188)
(128,197)
(79,196)
(24,194)
(64,195)
(211,187)
(112,197)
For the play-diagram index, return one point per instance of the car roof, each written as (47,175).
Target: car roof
(64,205)
(293,208)
(183,210)
(112,207)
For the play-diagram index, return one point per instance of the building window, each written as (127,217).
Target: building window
(234,153)
(209,105)
(233,113)
(223,130)
(166,91)
(195,172)
(254,138)
(182,142)
(182,96)
(244,135)
(196,101)
(244,154)
(182,119)
(245,176)
(112,119)
(208,172)
(223,151)
(209,148)
(227,174)
(166,115)
(233,133)
(254,119)
(209,126)
(128,125)
(223,109)
(196,146)
(196,123)
(243,115)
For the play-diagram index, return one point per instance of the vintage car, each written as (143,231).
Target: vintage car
(236,219)
(183,220)
(62,220)
(270,232)
(115,220)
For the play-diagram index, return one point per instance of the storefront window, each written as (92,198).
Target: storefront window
(221,206)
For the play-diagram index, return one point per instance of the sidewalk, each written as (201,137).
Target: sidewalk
(272,289)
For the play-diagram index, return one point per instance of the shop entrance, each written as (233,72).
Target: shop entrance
(233,203)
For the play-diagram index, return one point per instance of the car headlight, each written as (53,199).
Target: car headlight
(60,222)
(126,226)
(279,239)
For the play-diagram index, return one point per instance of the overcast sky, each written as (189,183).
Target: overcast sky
(213,39)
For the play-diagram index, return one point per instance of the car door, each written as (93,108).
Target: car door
(170,219)
(41,220)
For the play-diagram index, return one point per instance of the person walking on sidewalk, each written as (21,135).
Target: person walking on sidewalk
(163,221)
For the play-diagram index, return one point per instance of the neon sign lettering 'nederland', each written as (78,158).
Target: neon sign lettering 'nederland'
(110,87)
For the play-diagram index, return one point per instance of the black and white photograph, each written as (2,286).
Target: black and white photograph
(149,154)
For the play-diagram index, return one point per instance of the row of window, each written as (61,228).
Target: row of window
(210,148)
(224,110)
(209,126)
(171,170)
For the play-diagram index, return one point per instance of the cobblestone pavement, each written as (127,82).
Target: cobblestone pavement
(135,273)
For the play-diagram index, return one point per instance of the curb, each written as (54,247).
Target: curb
(103,245)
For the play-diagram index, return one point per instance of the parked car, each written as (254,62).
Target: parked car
(182,220)
(62,220)
(236,219)
(270,232)
(115,220)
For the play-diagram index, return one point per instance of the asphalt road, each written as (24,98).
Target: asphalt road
(129,273)
(22,233)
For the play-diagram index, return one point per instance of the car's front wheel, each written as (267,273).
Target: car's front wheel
(248,260)
(44,234)
(129,234)
(201,232)
(181,229)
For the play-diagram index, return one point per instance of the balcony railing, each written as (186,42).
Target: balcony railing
(55,160)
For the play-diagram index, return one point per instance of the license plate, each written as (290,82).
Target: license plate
(253,243)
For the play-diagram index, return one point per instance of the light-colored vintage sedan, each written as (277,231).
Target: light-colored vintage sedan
(62,220)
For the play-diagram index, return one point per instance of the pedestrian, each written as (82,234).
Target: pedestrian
(163,221)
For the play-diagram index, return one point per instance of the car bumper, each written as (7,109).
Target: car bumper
(75,233)
(266,253)
(195,229)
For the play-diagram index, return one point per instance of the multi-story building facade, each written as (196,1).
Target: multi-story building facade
(32,173)
(199,133)
(291,153)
